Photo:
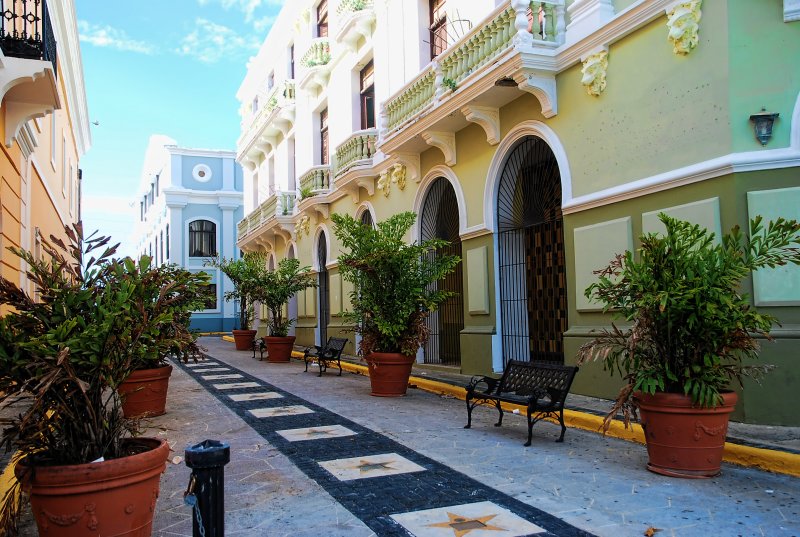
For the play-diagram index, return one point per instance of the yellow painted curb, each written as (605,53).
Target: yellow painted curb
(765,459)
(228,339)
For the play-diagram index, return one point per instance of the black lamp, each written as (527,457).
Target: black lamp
(762,124)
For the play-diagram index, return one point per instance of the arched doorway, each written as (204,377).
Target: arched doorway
(530,242)
(439,220)
(323,304)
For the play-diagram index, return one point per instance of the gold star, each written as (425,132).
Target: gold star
(319,432)
(367,466)
(463,525)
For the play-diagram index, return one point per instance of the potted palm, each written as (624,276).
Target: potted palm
(244,274)
(64,352)
(692,333)
(394,292)
(275,289)
(164,297)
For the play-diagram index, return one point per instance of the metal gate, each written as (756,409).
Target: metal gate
(440,220)
(322,281)
(533,288)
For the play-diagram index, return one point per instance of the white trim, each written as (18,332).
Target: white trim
(189,152)
(791,10)
(314,255)
(363,207)
(422,193)
(291,245)
(202,168)
(518,132)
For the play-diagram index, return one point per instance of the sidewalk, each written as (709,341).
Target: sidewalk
(596,484)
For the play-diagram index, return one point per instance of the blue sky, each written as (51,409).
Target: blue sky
(168,67)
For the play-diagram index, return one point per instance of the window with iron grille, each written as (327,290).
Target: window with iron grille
(438,27)
(322,19)
(367,77)
(202,239)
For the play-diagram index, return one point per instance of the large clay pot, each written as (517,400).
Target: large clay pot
(243,339)
(144,392)
(115,497)
(684,440)
(388,373)
(279,349)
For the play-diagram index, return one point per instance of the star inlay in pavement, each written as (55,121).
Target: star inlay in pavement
(320,432)
(463,525)
(366,466)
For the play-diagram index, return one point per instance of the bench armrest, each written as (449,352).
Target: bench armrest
(491,383)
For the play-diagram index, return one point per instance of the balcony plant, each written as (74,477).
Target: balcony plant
(393,293)
(64,351)
(693,332)
(244,273)
(275,289)
(165,296)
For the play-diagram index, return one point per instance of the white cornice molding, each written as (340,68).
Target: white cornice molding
(189,152)
(65,28)
(791,10)
(770,159)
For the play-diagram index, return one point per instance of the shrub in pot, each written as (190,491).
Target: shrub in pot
(63,354)
(275,289)
(163,297)
(692,333)
(393,292)
(245,274)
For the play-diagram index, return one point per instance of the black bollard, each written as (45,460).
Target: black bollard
(207,461)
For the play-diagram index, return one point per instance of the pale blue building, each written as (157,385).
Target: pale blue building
(188,206)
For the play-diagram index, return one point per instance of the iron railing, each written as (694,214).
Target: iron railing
(26,31)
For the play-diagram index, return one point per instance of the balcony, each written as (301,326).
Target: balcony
(477,75)
(358,150)
(356,22)
(274,119)
(316,181)
(315,65)
(273,218)
(28,64)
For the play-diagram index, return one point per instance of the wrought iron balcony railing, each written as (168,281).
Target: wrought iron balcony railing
(358,148)
(26,32)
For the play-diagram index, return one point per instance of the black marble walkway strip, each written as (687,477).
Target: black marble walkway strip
(373,499)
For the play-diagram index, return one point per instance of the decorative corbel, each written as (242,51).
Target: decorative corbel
(487,117)
(411,162)
(543,87)
(595,65)
(445,141)
(683,21)
(399,176)
(303,226)
(385,182)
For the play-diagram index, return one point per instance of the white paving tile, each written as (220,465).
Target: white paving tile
(273,412)
(255,396)
(315,433)
(211,369)
(483,519)
(370,466)
(236,385)
(200,364)
(222,377)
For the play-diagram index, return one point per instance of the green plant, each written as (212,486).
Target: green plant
(692,328)
(306,192)
(277,287)
(64,352)
(245,274)
(450,83)
(394,282)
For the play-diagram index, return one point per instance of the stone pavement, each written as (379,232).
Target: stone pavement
(277,486)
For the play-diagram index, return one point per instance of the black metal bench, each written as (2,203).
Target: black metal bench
(258,344)
(328,353)
(540,386)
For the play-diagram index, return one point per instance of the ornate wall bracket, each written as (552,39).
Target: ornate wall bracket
(487,117)
(385,182)
(411,163)
(594,70)
(303,226)
(445,141)
(683,21)
(541,86)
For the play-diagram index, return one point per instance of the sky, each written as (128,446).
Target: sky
(159,67)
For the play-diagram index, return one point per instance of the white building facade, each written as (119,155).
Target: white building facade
(187,207)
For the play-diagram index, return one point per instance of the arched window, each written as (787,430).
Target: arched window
(202,239)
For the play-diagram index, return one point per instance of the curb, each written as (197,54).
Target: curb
(770,460)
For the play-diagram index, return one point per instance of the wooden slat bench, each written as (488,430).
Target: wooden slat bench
(541,387)
(328,353)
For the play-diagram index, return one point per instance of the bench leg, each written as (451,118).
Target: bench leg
(261,349)
(254,349)
(500,410)
(563,427)
(339,363)
(530,428)
(305,359)
(469,412)
(321,364)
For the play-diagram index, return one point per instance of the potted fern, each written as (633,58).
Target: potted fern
(244,274)
(64,351)
(692,333)
(275,289)
(393,293)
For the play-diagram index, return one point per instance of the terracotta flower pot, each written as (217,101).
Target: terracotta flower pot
(279,349)
(389,373)
(243,339)
(144,392)
(115,497)
(684,440)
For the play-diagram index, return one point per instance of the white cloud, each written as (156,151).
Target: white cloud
(209,42)
(107,36)
(248,8)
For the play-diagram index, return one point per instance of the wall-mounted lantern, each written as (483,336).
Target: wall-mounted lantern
(762,125)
